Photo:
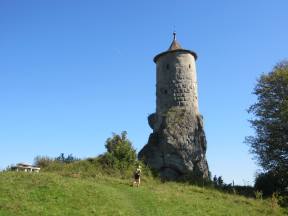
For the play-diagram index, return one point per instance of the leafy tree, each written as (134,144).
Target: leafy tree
(69,159)
(120,152)
(268,183)
(220,181)
(270,142)
(215,180)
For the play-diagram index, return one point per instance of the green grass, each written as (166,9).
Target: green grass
(53,194)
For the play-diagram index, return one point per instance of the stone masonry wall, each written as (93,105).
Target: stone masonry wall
(176,82)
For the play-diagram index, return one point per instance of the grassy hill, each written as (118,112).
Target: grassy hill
(54,194)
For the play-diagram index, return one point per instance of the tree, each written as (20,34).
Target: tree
(215,180)
(69,159)
(268,183)
(270,122)
(220,181)
(120,152)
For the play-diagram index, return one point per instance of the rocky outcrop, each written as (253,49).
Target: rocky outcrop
(177,146)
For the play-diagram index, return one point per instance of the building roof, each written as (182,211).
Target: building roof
(174,47)
(23,164)
(26,165)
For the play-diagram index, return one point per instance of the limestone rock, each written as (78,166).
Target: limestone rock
(177,146)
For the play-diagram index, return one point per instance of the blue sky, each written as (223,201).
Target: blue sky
(73,72)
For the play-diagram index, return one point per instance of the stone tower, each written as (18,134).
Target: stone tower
(177,147)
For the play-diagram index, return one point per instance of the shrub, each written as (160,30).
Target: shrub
(119,161)
(120,152)
(258,194)
(274,201)
(43,161)
(69,159)
(283,201)
(270,183)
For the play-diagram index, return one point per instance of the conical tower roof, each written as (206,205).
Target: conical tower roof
(174,47)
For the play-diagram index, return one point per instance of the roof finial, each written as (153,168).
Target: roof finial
(174,45)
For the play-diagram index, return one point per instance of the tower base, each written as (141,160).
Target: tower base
(177,147)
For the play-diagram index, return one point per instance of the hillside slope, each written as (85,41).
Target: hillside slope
(52,194)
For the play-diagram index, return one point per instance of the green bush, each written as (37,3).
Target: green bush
(258,195)
(270,183)
(43,161)
(283,201)
(119,161)
(120,152)
(69,159)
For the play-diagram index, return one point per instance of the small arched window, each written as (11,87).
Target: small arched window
(167,66)
(189,66)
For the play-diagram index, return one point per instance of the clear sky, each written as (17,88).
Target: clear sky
(72,72)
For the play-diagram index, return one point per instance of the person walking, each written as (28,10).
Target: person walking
(137,175)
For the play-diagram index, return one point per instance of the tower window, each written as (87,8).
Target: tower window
(189,66)
(163,91)
(167,66)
